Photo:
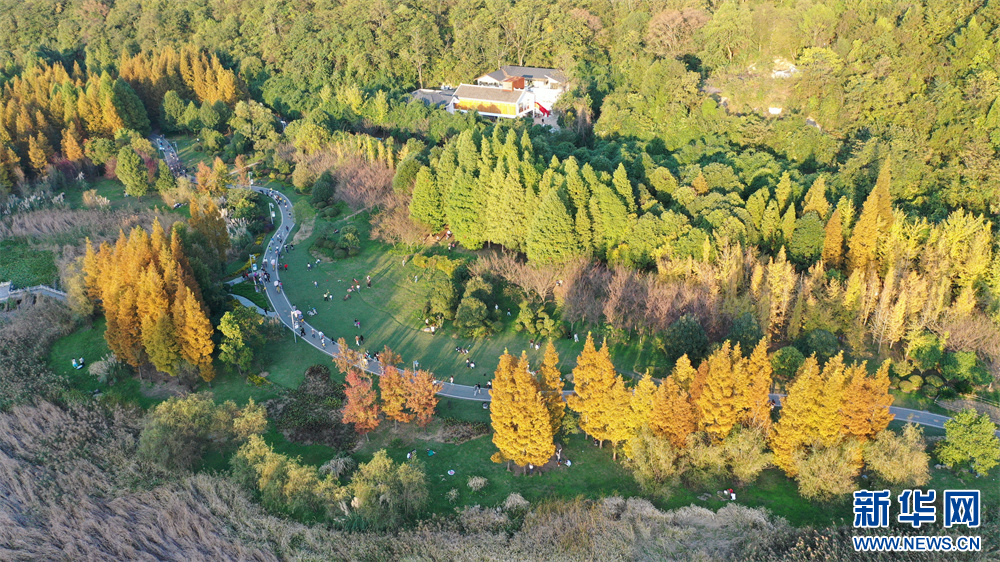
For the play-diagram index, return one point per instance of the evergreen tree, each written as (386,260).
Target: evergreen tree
(815,199)
(132,172)
(164,178)
(427,205)
(509,216)
(463,210)
(360,407)
(783,191)
(833,241)
(673,415)
(770,225)
(552,236)
(584,234)
(788,225)
(610,220)
(129,108)
(241,337)
(970,438)
(172,112)
(522,430)
(551,385)
(393,387)
(624,188)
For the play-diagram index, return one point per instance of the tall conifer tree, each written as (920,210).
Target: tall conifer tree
(673,415)
(596,395)
(551,384)
(717,403)
(522,429)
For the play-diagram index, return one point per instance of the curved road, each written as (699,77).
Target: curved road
(284,309)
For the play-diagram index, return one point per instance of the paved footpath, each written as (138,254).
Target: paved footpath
(284,309)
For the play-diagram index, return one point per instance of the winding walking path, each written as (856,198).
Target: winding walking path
(283,309)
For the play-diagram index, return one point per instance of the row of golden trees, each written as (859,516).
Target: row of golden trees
(152,303)
(406,396)
(824,408)
(189,72)
(48,109)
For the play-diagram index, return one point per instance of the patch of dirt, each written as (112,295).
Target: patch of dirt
(320,256)
(305,231)
(165,389)
(455,431)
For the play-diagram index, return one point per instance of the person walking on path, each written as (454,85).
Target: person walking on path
(476,389)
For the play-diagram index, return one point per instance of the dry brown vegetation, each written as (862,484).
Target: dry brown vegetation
(362,184)
(25,335)
(392,224)
(631,300)
(98,224)
(70,488)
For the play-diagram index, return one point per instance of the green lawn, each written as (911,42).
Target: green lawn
(285,363)
(22,263)
(390,311)
(115,192)
(246,290)
(186,150)
(592,475)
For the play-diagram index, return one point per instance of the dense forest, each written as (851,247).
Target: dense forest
(739,198)
(804,167)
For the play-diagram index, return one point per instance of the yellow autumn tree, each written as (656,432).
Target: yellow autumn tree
(551,383)
(673,415)
(827,416)
(796,426)
(194,333)
(684,373)
(865,411)
(717,403)
(641,404)
(754,400)
(151,302)
(595,398)
(521,427)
